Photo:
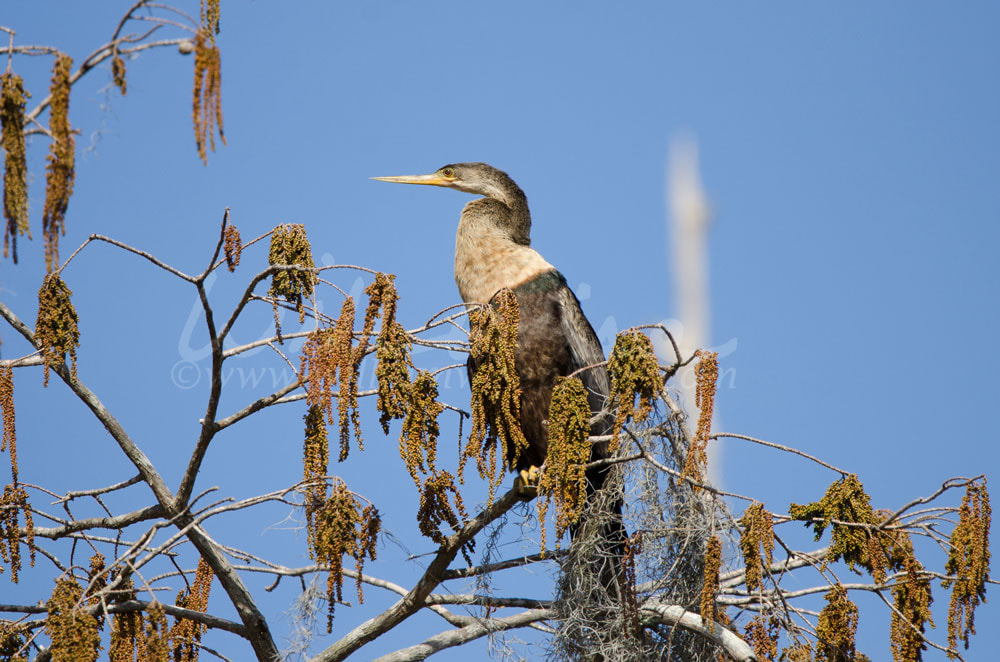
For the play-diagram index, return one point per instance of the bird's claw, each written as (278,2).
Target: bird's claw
(531,475)
(526,482)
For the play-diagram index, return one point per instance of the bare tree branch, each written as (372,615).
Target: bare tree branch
(451,638)
(787,449)
(490,568)
(116,523)
(33,359)
(101,490)
(797,560)
(413,600)
(149,474)
(734,646)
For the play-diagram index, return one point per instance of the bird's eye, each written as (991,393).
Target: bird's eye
(448,172)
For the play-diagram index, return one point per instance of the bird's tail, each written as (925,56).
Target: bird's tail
(599,535)
(601,531)
(595,597)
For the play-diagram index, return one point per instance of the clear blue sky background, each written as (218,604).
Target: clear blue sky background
(850,152)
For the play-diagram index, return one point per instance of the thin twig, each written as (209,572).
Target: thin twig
(787,449)
(130,249)
(101,490)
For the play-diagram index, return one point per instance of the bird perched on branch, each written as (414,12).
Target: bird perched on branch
(493,251)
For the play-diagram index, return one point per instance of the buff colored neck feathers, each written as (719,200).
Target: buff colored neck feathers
(487,258)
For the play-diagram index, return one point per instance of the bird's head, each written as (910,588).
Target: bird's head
(482,179)
(476,178)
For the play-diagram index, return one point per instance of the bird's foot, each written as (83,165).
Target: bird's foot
(531,475)
(526,483)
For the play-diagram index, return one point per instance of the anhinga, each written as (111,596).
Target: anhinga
(493,251)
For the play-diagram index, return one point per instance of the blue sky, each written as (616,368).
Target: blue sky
(850,154)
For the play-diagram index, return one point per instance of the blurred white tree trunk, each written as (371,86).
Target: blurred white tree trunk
(689,215)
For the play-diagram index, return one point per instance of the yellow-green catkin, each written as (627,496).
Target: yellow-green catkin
(969,562)
(290,248)
(60,172)
(846,501)
(73,631)
(710,589)
(756,544)
(564,479)
(57,328)
(13,98)
(496,390)
(635,375)
(343,528)
(207,97)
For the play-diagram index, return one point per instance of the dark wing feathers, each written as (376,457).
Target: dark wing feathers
(585,349)
(554,339)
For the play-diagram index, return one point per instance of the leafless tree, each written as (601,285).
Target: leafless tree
(698,580)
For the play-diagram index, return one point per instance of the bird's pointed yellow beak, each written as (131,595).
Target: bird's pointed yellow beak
(434,179)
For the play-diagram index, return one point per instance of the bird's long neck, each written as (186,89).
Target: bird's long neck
(520,217)
(513,215)
(491,256)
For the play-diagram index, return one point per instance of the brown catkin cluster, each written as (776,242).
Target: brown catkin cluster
(713,562)
(326,358)
(564,479)
(969,561)
(496,390)
(418,448)
(757,535)
(418,438)
(290,247)
(97,581)
(56,328)
(343,528)
(233,247)
(912,601)
(706,373)
(838,623)
(347,372)
(846,500)
(15,174)
(323,353)
(12,642)
(435,506)
(155,643)
(316,458)
(127,636)
(797,653)
(186,634)
(9,443)
(60,172)
(210,14)
(762,635)
(74,632)
(392,350)
(392,369)
(14,502)
(335,355)
(634,373)
(118,73)
(138,639)
(382,298)
(207,102)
